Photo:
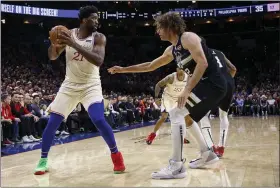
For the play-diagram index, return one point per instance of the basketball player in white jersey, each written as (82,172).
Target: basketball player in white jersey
(173,85)
(85,52)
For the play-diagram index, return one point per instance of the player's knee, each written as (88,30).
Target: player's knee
(96,112)
(205,121)
(222,113)
(188,121)
(164,115)
(95,118)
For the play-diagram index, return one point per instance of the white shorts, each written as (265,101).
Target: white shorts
(70,94)
(168,103)
(176,113)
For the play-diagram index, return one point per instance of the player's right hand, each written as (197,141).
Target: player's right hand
(58,45)
(55,44)
(115,69)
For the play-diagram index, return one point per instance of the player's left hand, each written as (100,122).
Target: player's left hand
(115,69)
(182,99)
(65,38)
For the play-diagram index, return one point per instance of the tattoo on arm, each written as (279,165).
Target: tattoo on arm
(161,84)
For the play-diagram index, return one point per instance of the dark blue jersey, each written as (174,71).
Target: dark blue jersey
(221,61)
(185,61)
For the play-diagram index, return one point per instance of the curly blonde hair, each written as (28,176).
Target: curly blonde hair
(172,21)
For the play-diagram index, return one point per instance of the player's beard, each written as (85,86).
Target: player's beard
(91,27)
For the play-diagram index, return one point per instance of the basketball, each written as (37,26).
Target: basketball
(55,32)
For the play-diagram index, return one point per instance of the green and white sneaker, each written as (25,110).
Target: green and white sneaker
(42,167)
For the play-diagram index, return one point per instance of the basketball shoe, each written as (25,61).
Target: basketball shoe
(42,167)
(117,159)
(175,170)
(150,138)
(220,151)
(206,158)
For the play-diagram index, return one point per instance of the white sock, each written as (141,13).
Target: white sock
(178,132)
(196,132)
(206,131)
(224,123)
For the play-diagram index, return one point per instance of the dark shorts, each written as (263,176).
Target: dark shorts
(204,97)
(226,101)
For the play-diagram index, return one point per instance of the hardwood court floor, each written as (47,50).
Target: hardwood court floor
(251,159)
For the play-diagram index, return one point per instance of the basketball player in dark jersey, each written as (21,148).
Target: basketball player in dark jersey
(228,70)
(204,91)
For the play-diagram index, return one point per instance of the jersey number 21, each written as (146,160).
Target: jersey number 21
(78,57)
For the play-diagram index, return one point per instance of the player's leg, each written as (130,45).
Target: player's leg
(204,98)
(223,115)
(224,124)
(206,130)
(176,168)
(95,107)
(60,108)
(159,123)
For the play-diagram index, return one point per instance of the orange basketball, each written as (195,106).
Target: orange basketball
(55,32)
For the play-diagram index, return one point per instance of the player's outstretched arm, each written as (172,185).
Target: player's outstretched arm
(192,42)
(164,59)
(162,83)
(232,69)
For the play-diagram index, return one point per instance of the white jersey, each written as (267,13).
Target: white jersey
(175,89)
(78,69)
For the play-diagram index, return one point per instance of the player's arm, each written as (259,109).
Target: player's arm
(162,83)
(55,50)
(232,69)
(164,59)
(96,56)
(192,42)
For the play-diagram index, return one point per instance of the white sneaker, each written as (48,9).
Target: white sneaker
(31,137)
(26,139)
(64,133)
(175,170)
(206,158)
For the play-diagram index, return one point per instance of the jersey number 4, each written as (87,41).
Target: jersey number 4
(78,57)
(219,62)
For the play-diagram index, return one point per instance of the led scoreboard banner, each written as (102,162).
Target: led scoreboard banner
(185,13)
